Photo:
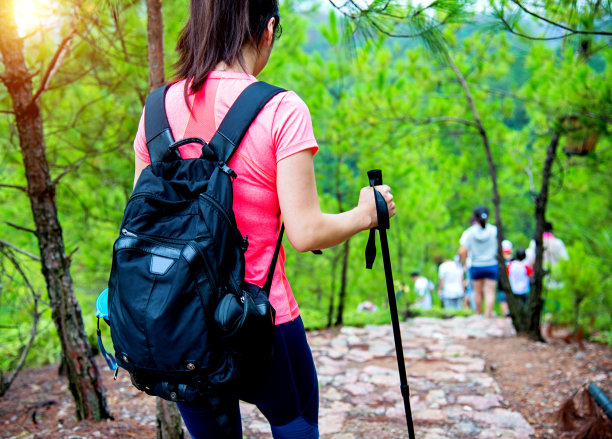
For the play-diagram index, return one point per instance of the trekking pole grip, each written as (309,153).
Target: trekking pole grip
(382,211)
(375,177)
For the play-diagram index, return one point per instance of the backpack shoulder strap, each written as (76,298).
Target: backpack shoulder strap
(157,129)
(240,116)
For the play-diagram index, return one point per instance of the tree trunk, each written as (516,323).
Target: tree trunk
(169,423)
(503,275)
(155,43)
(536,302)
(83,374)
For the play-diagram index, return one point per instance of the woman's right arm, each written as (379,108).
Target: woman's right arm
(463,254)
(307,227)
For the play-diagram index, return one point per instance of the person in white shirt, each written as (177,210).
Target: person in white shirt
(450,283)
(554,252)
(519,274)
(423,288)
(554,249)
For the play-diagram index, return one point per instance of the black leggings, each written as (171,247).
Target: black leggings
(288,395)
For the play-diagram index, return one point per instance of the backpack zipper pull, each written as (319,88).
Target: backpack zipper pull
(126,232)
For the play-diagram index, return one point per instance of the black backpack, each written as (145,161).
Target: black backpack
(183,321)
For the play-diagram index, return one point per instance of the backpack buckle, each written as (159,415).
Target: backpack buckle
(229,171)
(245,243)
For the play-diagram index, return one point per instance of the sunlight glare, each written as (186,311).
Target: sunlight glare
(30,15)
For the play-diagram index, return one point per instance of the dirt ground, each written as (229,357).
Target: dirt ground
(535,379)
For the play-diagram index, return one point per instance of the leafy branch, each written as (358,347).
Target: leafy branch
(62,50)
(6,250)
(389,17)
(560,25)
(510,19)
(6,244)
(13,186)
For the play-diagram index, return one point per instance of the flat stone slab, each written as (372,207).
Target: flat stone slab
(451,393)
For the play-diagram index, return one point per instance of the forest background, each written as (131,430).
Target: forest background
(377,102)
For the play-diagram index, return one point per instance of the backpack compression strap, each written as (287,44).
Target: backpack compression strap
(240,116)
(157,129)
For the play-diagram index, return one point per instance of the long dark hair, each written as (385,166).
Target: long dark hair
(216,31)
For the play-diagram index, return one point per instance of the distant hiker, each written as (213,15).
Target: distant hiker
(451,283)
(519,274)
(554,252)
(480,241)
(423,287)
(507,250)
(222,48)
(367,306)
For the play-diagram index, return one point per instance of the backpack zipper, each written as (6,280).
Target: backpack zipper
(197,249)
(126,232)
(158,198)
(232,224)
(218,207)
(183,242)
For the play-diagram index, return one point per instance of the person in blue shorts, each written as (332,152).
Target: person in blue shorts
(480,242)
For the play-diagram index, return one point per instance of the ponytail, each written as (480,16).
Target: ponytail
(216,32)
(481,215)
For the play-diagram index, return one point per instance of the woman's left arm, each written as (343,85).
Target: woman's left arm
(139,165)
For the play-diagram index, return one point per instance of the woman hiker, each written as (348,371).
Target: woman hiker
(480,242)
(222,49)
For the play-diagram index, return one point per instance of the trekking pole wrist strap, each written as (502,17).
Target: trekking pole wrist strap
(268,283)
(382,214)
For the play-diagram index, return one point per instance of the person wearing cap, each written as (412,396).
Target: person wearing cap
(507,249)
(480,242)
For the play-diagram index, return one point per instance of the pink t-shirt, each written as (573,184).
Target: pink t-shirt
(281,129)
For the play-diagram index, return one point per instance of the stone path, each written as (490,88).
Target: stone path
(451,394)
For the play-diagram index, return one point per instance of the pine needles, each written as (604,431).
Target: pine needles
(583,417)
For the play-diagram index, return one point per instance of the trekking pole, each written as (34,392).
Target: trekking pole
(382,212)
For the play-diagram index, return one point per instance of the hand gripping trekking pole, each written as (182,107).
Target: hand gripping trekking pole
(382,213)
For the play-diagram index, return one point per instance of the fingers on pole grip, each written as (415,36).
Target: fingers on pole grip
(382,211)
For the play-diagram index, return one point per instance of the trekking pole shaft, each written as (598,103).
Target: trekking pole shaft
(375,177)
(397,336)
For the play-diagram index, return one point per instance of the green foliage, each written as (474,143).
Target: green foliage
(383,104)
(585,300)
